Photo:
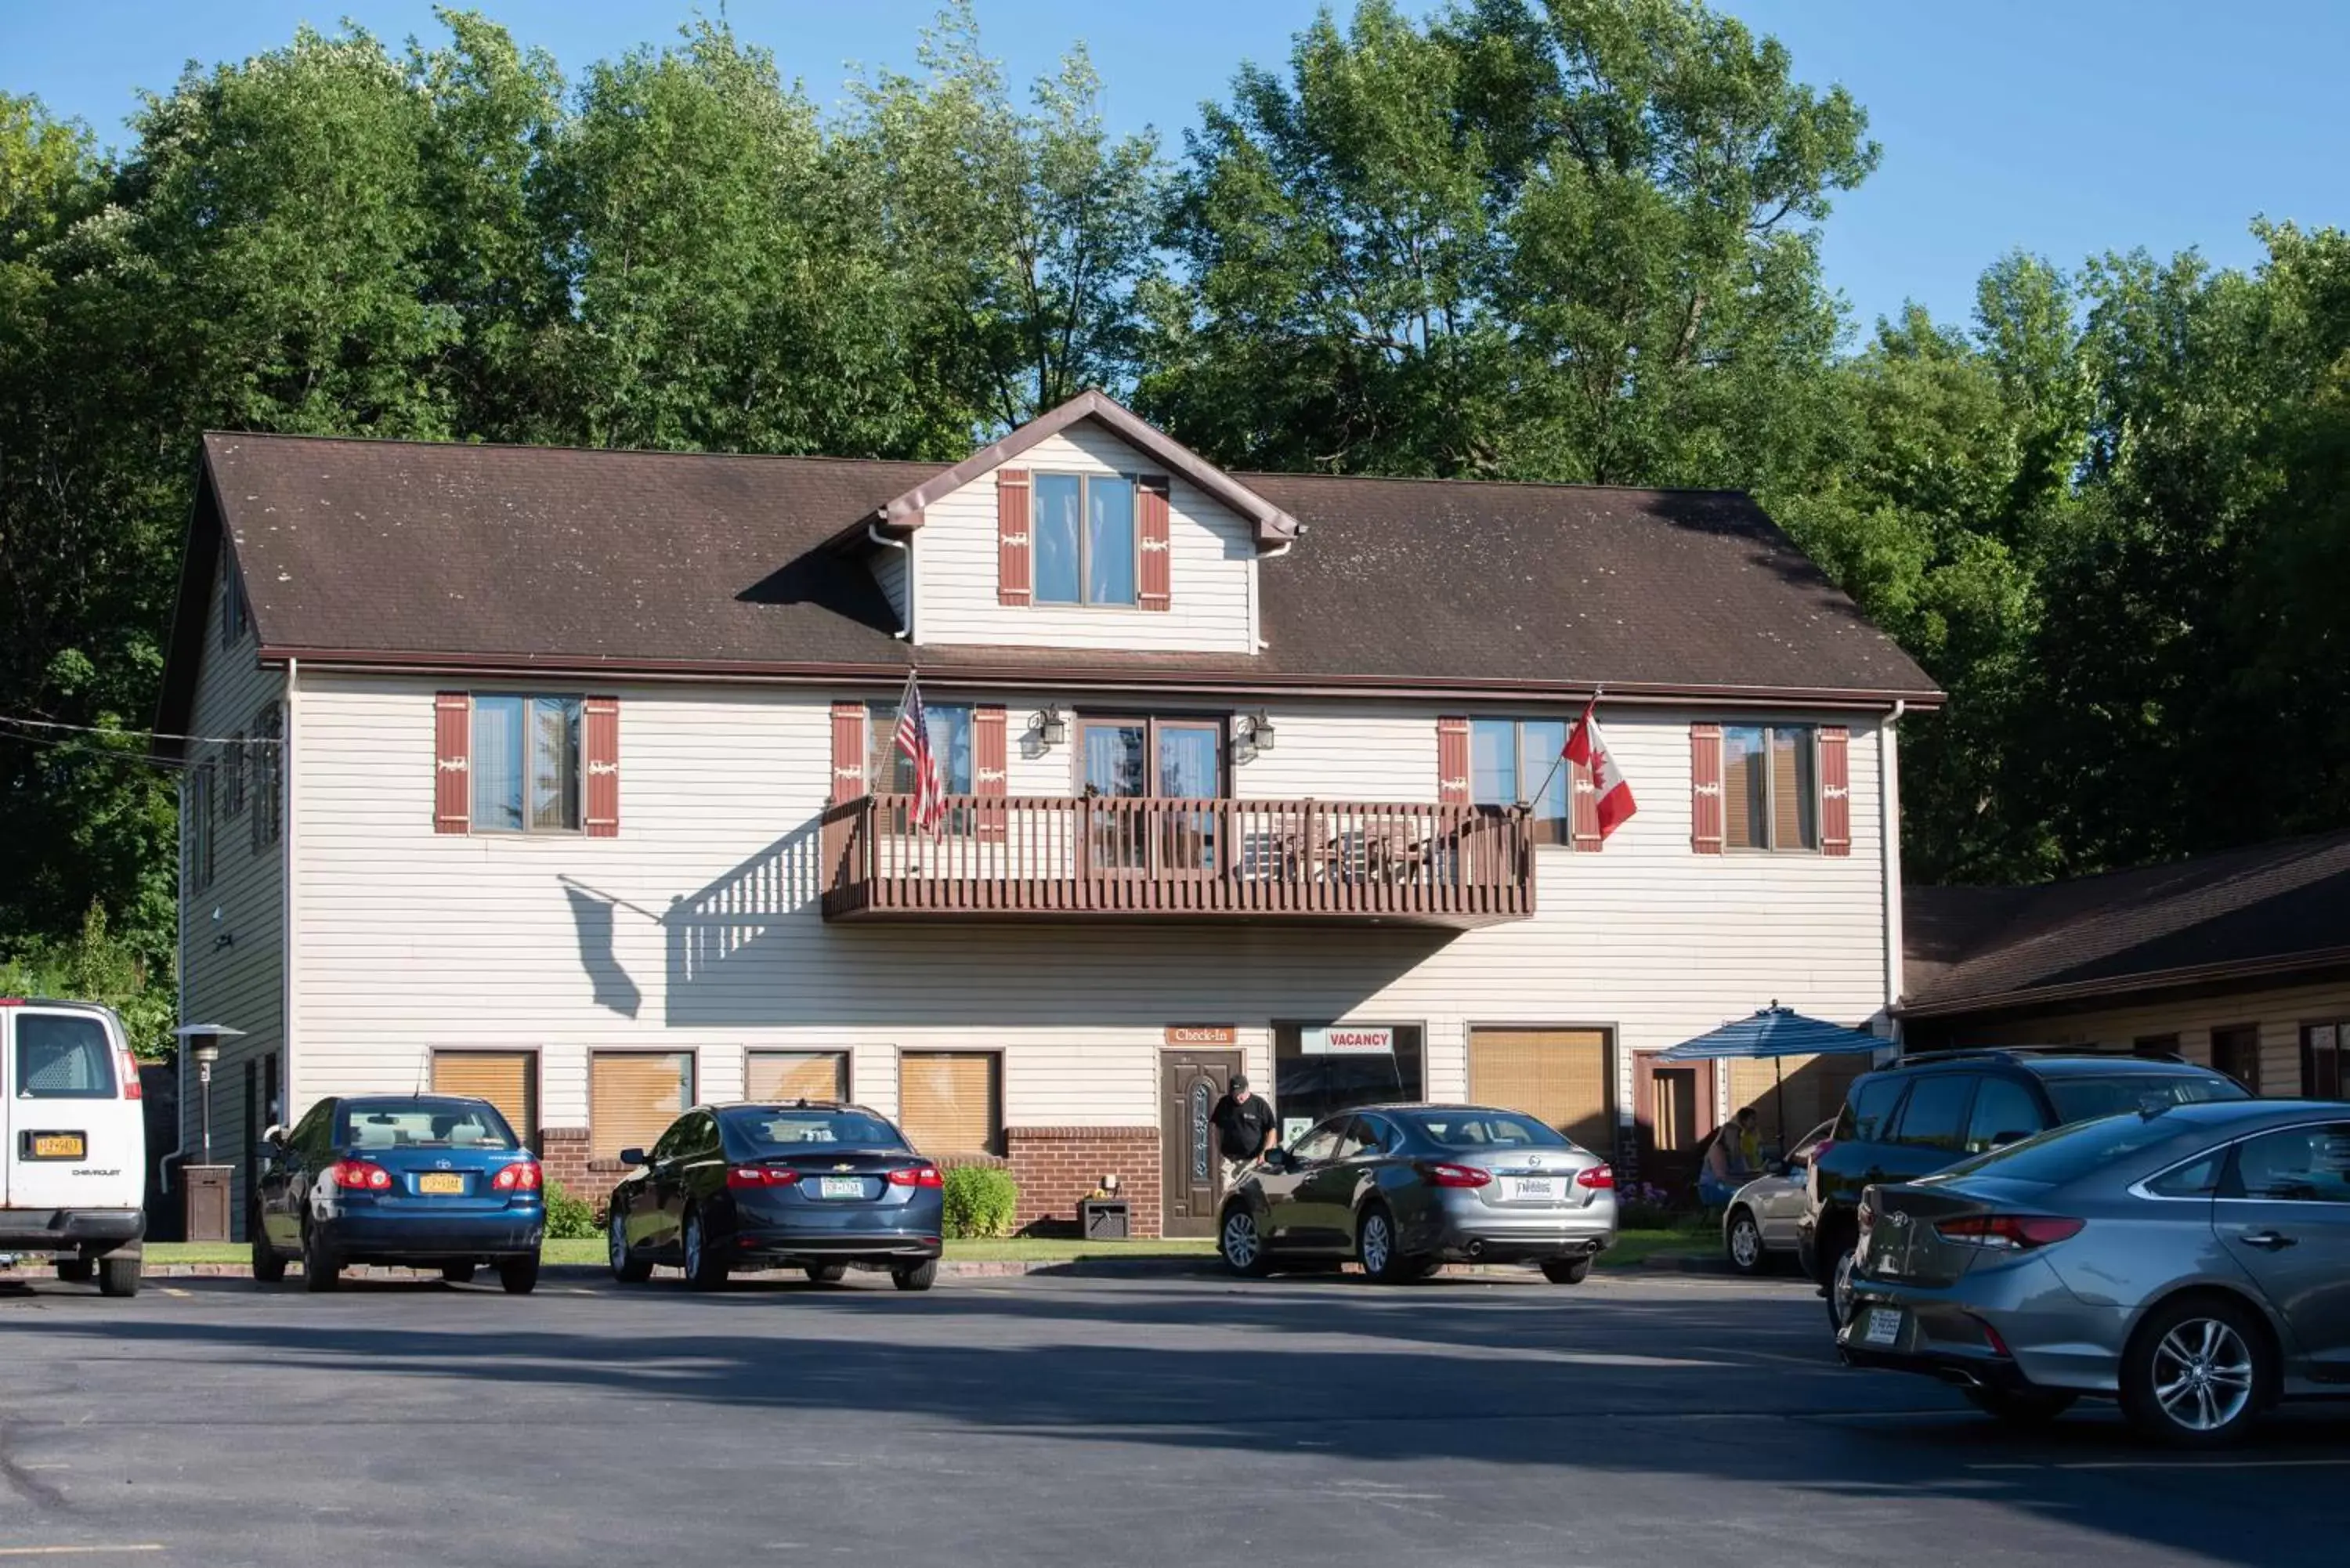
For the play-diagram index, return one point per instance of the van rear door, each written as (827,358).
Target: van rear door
(75,1137)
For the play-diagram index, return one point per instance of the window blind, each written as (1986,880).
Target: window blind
(796,1075)
(950,1103)
(506,1079)
(1557,1075)
(633,1095)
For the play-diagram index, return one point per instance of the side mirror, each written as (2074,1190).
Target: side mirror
(275,1137)
(633,1157)
(1777,1166)
(1279,1158)
(2002,1140)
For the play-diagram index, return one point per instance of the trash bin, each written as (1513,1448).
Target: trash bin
(1104,1220)
(207,1191)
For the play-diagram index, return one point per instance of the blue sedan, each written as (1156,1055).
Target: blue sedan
(427,1180)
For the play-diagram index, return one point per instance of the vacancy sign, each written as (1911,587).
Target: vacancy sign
(1347,1040)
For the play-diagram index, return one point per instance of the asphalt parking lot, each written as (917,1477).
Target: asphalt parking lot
(1043,1420)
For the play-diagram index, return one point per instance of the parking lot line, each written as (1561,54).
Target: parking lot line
(2194,1464)
(78,1551)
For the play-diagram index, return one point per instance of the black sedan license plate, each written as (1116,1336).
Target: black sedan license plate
(56,1145)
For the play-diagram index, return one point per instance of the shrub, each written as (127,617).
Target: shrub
(568,1218)
(980,1201)
(1645,1206)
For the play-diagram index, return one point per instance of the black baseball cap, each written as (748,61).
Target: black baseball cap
(1237,1081)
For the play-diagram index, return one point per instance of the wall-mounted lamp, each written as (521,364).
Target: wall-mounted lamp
(1050,727)
(1256,729)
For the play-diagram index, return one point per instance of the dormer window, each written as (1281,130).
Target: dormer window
(1086,545)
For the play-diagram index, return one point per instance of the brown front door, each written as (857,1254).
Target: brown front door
(1675,1113)
(1190,1085)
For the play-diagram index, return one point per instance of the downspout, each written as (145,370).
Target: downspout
(1256,591)
(170,1161)
(286,922)
(1888,811)
(905,617)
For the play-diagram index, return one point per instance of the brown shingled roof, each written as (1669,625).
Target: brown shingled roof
(412,553)
(2268,910)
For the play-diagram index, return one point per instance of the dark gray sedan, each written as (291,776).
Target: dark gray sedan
(1402,1189)
(2192,1261)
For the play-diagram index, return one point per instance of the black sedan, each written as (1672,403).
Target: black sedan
(805,1184)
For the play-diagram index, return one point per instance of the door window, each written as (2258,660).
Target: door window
(2005,1111)
(1320,1143)
(2295,1165)
(1165,758)
(1870,1109)
(1364,1139)
(1675,1119)
(1936,1113)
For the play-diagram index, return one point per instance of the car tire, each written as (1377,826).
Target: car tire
(518,1276)
(1566,1270)
(457,1273)
(824,1274)
(919,1276)
(627,1267)
(269,1265)
(1741,1242)
(2197,1373)
(1380,1250)
(76,1270)
(1839,1288)
(703,1270)
(2021,1406)
(320,1269)
(118,1273)
(1240,1241)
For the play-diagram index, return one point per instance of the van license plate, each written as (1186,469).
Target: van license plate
(840,1186)
(1883,1326)
(441,1184)
(57,1146)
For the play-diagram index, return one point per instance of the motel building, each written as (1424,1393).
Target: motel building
(570,779)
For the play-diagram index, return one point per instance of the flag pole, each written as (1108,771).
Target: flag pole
(1559,761)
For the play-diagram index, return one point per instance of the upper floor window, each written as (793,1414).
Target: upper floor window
(1513,760)
(200,828)
(236,614)
(268,749)
(1770,787)
(526,764)
(889,771)
(1086,545)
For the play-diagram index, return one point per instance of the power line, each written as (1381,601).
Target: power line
(140,734)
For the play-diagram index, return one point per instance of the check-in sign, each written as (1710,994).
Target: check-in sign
(1349,1039)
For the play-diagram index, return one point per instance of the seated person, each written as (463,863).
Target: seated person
(1728,1160)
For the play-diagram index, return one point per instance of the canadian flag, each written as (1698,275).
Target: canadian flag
(1586,747)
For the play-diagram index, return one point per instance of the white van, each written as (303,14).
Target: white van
(74,1175)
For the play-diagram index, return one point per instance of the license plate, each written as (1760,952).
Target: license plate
(60,1146)
(440,1183)
(1537,1186)
(840,1186)
(1883,1326)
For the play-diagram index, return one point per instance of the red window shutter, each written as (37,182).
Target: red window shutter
(1154,572)
(1836,790)
(453,773)
(987,768)
(599,742)
(1705,788)
(1012,579)
(1452,761)
(1582,805)
(848,750)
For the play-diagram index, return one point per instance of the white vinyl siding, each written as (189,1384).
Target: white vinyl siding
(700,928)
(1212,563)
(889,571)
(231,959)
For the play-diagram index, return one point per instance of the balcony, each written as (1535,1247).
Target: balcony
(1297,861)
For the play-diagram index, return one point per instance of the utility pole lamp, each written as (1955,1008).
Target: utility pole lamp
(206,1185)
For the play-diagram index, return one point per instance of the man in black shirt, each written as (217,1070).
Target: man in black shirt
(1245,1128)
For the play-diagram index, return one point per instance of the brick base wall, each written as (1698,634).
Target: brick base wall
(563,1155)
(1056,1166)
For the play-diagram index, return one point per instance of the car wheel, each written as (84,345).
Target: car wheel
(320,1270)
(2197,1373)
(1566,1270)
(627,1267)
(457,1273)
(76,1270)
(1242,1244)
(1743,1243)
(703,1271)
(825,1273)
(118,1274)
(1840,1289)
(1379,1251)
(518,1276)
(2021,1406)
(268,1267)
(919,1276)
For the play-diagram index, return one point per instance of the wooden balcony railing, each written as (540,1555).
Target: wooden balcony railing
(1306,860)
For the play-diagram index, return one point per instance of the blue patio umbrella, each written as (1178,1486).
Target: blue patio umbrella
(1777,1032)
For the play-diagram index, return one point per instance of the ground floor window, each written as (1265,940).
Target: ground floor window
(950,1102)
(633,1095)
(507,1079)
(1565,1077)
(2320,1059)
(796,1075)
(2236,1050)
(1321,1069)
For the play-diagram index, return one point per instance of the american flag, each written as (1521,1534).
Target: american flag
(929,808)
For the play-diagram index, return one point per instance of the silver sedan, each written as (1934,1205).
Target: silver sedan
(1759,1225)
(1402,1189)
(2192,1261)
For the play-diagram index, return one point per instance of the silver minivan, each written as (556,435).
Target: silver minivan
(73,1176)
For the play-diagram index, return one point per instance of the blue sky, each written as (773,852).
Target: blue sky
(2062,127)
